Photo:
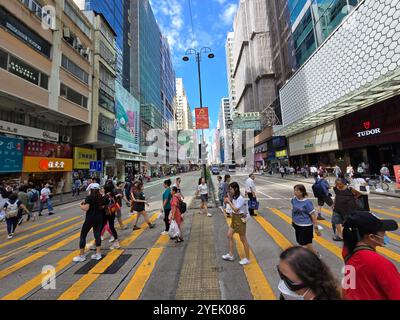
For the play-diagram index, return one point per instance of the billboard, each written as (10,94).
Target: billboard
(127,116)
(202,118)
(11,154)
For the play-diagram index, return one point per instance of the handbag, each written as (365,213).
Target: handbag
(253,204)
(174,230)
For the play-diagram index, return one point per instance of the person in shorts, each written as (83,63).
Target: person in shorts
(119,195)
(304,219)
(202,190)
(327,196)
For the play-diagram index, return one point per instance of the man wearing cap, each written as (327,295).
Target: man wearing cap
(368,275)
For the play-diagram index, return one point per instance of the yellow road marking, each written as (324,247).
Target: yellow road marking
(76,290)
(258,283)
(386,213)
(323,242)
(394,208)
(391,235)
(127,241)
(135,286)
(5,272)
(276,235)
(33,226)
(38,232)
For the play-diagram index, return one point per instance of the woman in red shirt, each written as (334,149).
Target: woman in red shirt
(176,213)
(367,274)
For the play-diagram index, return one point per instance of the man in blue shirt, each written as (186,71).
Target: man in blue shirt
(326,198)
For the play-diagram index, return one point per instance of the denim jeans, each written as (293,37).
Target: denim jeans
(48,205)
(386,178)
(11,224)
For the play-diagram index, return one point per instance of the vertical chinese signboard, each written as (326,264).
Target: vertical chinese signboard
(202,121)
(11,154)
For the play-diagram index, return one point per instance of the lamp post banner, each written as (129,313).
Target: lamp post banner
(202,120)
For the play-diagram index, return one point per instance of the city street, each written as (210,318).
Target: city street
(150,266)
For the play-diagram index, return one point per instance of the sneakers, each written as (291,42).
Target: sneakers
(135,228)
(228,257)
(337,238)
(10,236)
(112,239)
(319,217)
(244,261)
(79,258)
(164,233)
(115,246)
(96,256)
(209,215)
(151,225)
(51,213)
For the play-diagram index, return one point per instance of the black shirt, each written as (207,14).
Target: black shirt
(94,208)
(139,206)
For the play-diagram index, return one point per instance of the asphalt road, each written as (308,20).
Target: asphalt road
(148,266)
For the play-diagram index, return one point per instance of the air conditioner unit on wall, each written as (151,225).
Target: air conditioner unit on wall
(66,33)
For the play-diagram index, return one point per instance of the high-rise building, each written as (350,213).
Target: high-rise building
(45,91)
(313,21)
(184,119)
(230,70)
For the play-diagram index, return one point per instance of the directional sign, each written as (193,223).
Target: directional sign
(99,166)
(93,166)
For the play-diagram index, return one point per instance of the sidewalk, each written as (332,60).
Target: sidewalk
(310,180)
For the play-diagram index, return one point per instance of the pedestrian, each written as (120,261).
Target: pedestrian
(349,171)
(93,206)
(343,206)
(360,169)
(166,199)
(250,189)
(119,195)
(225,193)
(133,190)
(24,198)
(371,276)
(202,190)
(314,172)
(45,199)
(238,225)
(12,207)
(321,192)
(175,213)
(220,199)
(304,219)
(109,213)
(282,171)
(385,173)
(361,186)
(304,276)
(177,184)
(139,202)
(76,187)
(127,189)
(337,171)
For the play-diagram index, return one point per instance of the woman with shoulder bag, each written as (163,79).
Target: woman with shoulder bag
(93,205)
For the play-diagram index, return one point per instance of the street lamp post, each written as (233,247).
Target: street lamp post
(198,54)
(230,126)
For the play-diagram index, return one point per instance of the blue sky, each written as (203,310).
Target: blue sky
(212,20)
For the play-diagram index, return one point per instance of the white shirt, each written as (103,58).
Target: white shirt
(203,189)
(313,169)
(45,192)
(238,203)
(250,186)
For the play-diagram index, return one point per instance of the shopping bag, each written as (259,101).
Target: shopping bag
(253,204)
(174,230)
(161,215)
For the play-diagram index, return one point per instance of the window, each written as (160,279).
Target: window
(73,96)
(3,60)
(74,69)
(70,12)
(106,54)
(106,101)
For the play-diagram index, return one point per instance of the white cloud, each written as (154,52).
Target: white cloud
(221,2)
(228,14)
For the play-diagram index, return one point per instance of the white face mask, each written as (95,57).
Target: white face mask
(289,294)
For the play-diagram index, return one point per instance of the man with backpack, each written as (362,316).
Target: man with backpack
(321,192)
(12,207)
(33,197)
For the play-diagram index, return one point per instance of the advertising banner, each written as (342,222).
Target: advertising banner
(46,149)
(11,154)
(39,164)
(127,125)
(396,169)
(202,121)
(83,156)
(19,130)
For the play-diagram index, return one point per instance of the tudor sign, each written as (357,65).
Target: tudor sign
(368,131)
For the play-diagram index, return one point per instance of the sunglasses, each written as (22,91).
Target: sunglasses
(289,283)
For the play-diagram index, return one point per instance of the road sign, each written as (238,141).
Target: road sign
(96,166)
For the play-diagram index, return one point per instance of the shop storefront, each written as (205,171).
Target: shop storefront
(11,158)
(282,157)
(82,158)
(318,146)
(277,154)
(372,136)
(45,161)
(128,163)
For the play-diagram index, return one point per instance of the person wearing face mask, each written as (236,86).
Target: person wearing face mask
(304,276)
(376,277)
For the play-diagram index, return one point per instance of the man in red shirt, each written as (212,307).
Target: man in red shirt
(368,275)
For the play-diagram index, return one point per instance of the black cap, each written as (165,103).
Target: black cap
(369,222)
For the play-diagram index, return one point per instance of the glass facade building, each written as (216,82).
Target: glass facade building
(313,21)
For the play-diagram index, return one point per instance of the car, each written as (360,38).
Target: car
(214,170)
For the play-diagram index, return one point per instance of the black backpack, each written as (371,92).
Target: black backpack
(34,197)
(182,206)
